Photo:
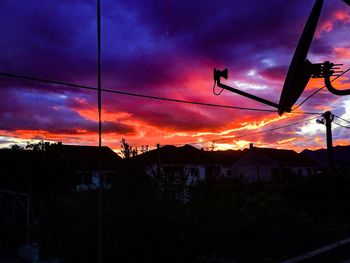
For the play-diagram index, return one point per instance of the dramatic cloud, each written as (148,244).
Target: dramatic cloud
(166,49)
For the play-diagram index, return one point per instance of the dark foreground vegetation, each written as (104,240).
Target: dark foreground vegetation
(223,221)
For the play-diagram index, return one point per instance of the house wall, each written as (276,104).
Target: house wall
(195,172)
(265,173)
(201,169)
(303,171)
(253,173)
(226,170)
(90,180)
(254,166)
(176,169)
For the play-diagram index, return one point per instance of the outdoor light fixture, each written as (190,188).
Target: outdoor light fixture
(320,121)
(326,117)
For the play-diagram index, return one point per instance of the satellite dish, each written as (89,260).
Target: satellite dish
(299,71)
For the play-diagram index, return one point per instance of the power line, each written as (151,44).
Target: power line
(135,94)
(318,90)
(17,76)
(73,85)
(341,119)
(264,131)
(340,125)
(304,113)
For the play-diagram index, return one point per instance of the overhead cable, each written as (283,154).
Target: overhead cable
(340,125)
(132,94)
(341,119)
(318,90)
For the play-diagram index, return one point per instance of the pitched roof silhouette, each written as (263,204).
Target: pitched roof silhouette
(285,157)
(341,156)
(87,156)
(188,154)
(82,157)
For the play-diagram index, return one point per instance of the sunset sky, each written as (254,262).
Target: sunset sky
(169,49)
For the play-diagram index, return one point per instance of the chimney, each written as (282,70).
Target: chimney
(251,146)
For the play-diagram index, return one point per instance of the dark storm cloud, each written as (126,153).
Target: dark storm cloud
(214,28)
(57,40)
(140,72)
(43,38)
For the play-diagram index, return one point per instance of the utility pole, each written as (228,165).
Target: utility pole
(328,116)
(158,161)
(327,120)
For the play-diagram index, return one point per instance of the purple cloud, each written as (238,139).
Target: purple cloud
(161,48)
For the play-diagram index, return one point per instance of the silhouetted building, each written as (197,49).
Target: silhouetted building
(195,164)
(58,168)
(262,164)
(341,158)
(192,165)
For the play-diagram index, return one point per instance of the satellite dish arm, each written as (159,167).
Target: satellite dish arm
(224,73)
(327,73)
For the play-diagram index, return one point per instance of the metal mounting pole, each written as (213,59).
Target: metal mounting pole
(328,71)
(224,73)
(248,95)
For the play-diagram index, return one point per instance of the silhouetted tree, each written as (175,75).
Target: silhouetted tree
(127,150)
(39,146)
(16,147)
(144,148)
(212,146)
(134,152)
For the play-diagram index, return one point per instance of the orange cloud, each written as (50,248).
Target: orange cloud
(286,141)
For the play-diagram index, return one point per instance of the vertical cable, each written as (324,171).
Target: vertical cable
(99,130)
(99,71)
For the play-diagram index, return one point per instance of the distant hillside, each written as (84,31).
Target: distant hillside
(341,156)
